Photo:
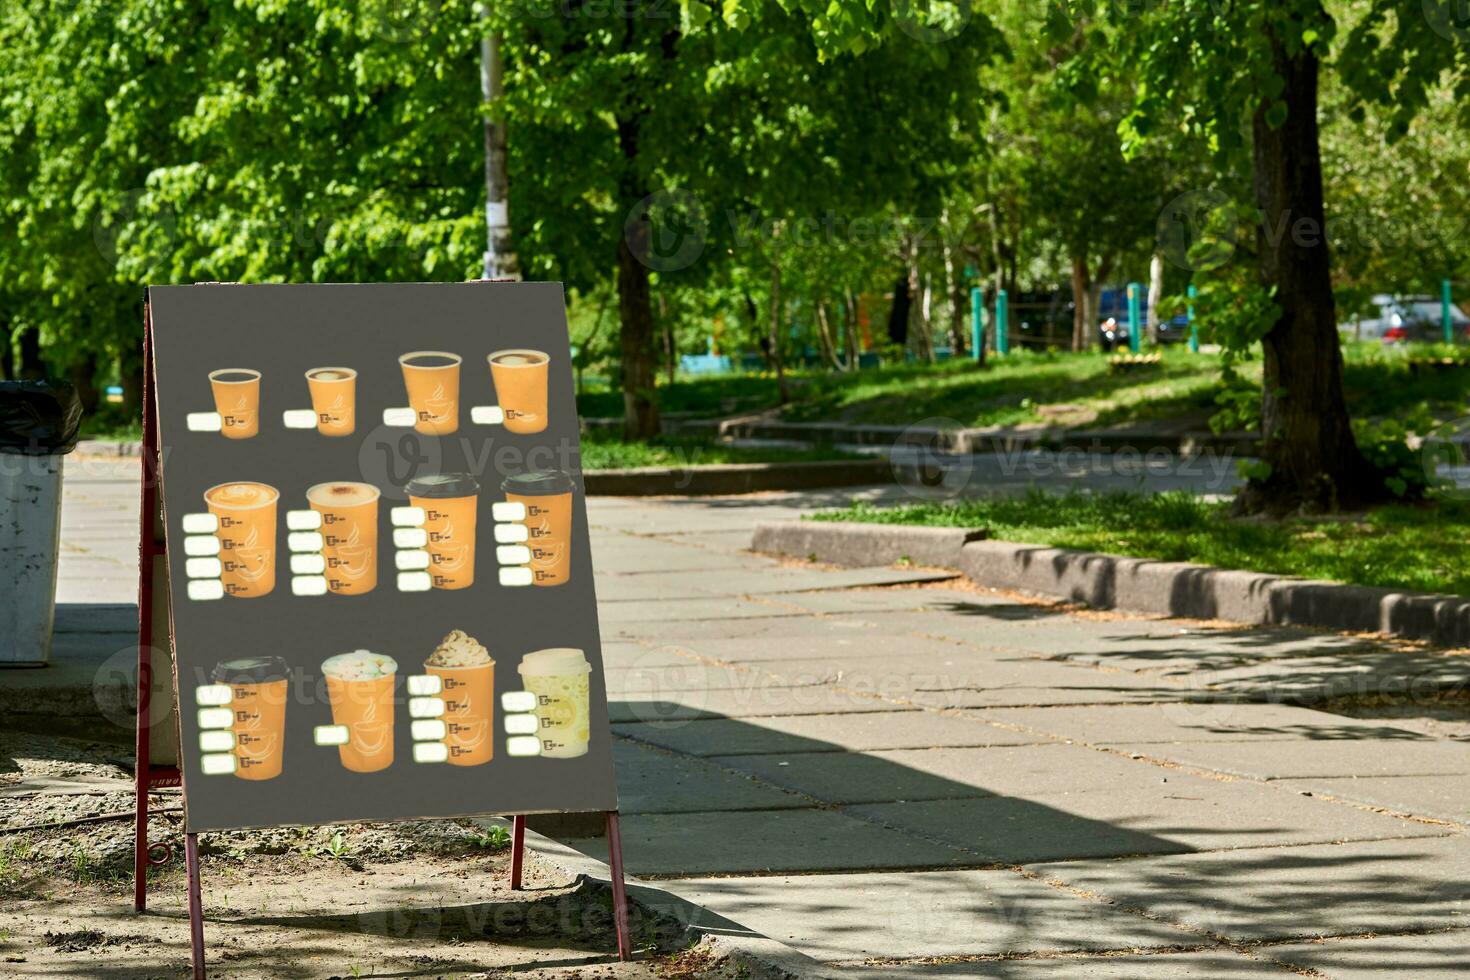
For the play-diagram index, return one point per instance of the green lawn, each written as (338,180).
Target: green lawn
(1408,547)
(1074,390)
(606,452)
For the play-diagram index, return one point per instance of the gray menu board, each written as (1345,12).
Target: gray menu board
(381,583)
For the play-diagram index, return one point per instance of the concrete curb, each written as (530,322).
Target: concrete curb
(858,545)
(734,478)
(1103,581)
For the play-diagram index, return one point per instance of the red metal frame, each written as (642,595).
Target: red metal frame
(149,776)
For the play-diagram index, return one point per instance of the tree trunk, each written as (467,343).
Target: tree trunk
(775,334)
(898,314)
(28,365)
(7,353)
(1081,303)
(1307,437)
(955,284)
(501,261)
(850,315)
(83,374)
(1155,294)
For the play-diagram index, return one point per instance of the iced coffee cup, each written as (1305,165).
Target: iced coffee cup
(360,688)
(547,495)
(449,502)
(258,688)
(558,677)
(520,388)
(247,536)
(432,380)
(237,400)
(467,674)
(333,399)
(350,534)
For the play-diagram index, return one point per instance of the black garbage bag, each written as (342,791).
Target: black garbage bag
(39,418)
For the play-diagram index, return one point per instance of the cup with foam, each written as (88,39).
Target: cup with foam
(559,678)
(350,534)
(360,688)
(246,513)
(467,675)
(520,378)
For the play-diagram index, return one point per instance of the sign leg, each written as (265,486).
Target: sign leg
(517,849)
(196,910)
(140,800)
(620,895)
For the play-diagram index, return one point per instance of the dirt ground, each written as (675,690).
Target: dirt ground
(422,899)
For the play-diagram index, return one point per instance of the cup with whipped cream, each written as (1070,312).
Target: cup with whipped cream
(466,673)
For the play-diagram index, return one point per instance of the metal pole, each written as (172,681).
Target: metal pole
(196,906)
(518,849)
(1193,327)
(1002,323)
(977,323)
(1444,312)
(1135,339)
(620,895)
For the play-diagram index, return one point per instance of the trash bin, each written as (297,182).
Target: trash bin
(38,426)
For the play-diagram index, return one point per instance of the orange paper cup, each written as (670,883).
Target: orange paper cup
(350,532)
(520,388)
(237,400)
(469,712)
(547,496)
(432,380)
(366,708)
(333,399)
(258,689)
(450,502)
(247,536)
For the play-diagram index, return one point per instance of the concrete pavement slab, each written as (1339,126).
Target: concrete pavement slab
(1437,797)
(783,580)
(654,680)
(850,732)
(663,611)
(688,844)
(652,781)
(1384,886)
(1030,771)
(1302,758)
(899,599)
(1212,964)
(929,914)
(966,683)
(1166,812)
(776,624)
(622,554)
(1193,721)
(1432,956)
(625,588)
(680,707)
(835,645)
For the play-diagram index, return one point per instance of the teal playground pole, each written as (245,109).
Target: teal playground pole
(977,322)
(1135,327)
(1193,327)
(1444,312)
(1002,323)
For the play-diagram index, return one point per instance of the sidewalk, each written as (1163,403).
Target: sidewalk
(894,776)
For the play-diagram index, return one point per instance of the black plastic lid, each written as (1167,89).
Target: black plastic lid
(441,486)
(538,483)
(251,670)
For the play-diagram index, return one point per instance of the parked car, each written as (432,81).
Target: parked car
(1406,319)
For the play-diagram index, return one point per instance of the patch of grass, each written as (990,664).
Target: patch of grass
(1406,547)
(495,838)
(602,451)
